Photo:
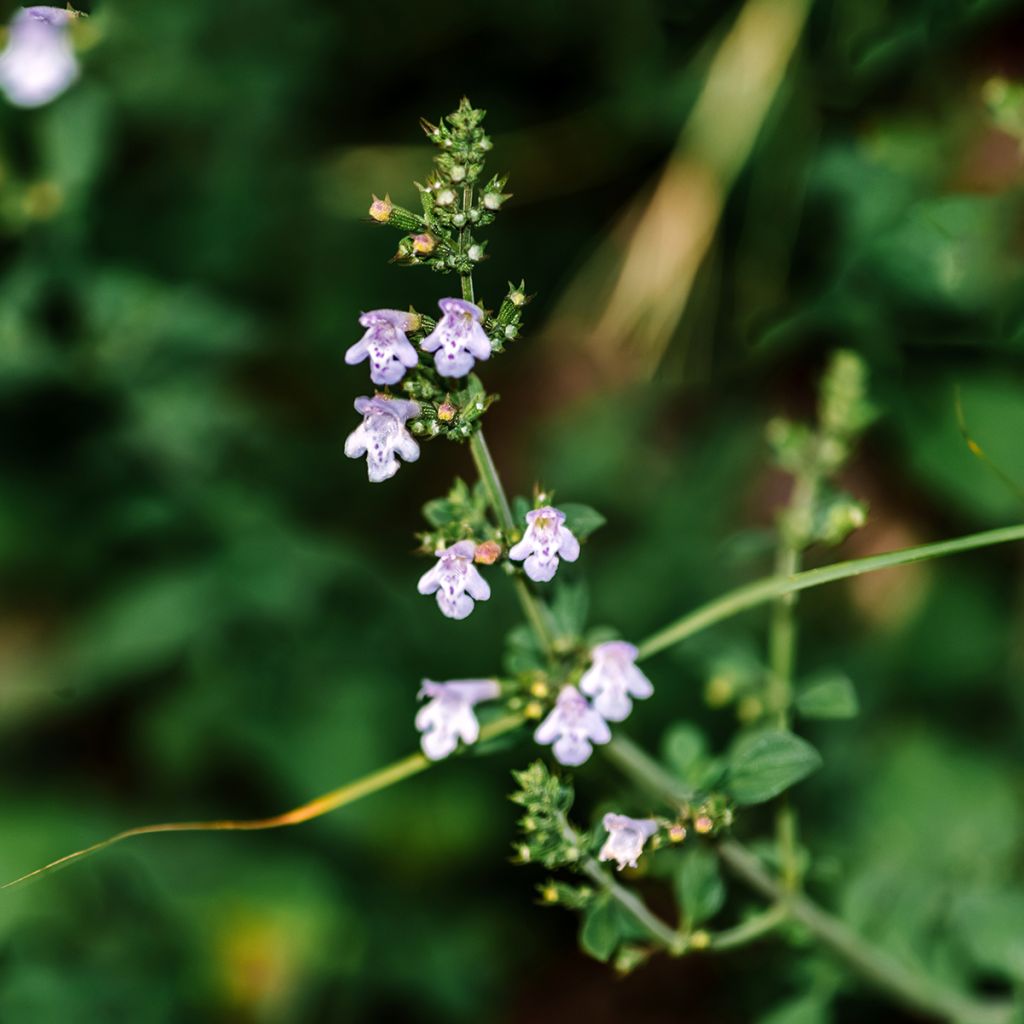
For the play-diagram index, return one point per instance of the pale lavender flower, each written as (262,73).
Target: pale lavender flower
(547,539)
(626,838)
(613,678)
(455,580)
(449,716)
(38,63)
(382,435)
(459,339)
(572,726)
(385,344)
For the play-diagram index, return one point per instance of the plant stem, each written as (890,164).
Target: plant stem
(876,966)
(909,986)
(635,762)
(488,473)
(673,941)
(750,930)
(374,782)
(782,647)
(753,594)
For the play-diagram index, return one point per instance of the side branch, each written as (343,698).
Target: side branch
(773,587)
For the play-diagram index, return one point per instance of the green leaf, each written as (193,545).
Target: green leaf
(440,512)
(684,748)
(809,1009)
(520,506)
(699,885)
(762,765)
(599,934)
(989,926)
(828,696)
(569,608)
(582,519)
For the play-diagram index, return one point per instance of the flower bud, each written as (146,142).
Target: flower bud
(487,553)
(445,197)
(446,411)
(380,209)
(517,298)
(476,253)
(750,709)
(549,894)
(424,244)
(703,824)
(677,833)
(457,173)
(533,710)
(540,689)
(700,940)
(493,200)
(719,691)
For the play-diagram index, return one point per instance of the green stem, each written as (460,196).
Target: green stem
(904,984)
(750,930)
(782,648)
(673,941)
(910,987)
(635,762)
(772,587)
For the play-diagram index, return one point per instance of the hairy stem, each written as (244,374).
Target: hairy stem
(904,984)
(772,587)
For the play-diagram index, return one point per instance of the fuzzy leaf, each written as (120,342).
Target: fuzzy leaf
(764,764)
(582,519)
(830,696)
(698,883)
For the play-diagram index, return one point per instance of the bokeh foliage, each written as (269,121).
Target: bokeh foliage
(206,611)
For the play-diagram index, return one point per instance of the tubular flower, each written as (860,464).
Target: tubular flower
(626,838)
(458,339)
(547,539)
(382,435)
(386,345)
(613,678)
(449,717)
(572,726)
(456,580)
(38,63)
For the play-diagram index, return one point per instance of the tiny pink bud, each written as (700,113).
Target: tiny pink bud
(424,244)
(487,553)
(380,209)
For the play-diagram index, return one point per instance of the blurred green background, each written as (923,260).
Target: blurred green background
(205,611)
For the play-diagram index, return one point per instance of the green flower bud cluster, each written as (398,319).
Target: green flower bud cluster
(547,837)
(504,326)
(573,897)
(819,512)
(460,515)
(445,412)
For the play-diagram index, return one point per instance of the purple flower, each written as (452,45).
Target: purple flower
(385,343)
(382,435)
(38,63)
(458,338)
(449,716)
(455,580)
(572,725)
(626,838)
(547,539)
(613,678)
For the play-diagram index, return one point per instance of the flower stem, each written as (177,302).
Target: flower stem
(906,985)
(771,587)
(673,941)
(748,931)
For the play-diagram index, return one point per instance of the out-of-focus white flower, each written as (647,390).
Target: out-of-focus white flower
(38,63)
